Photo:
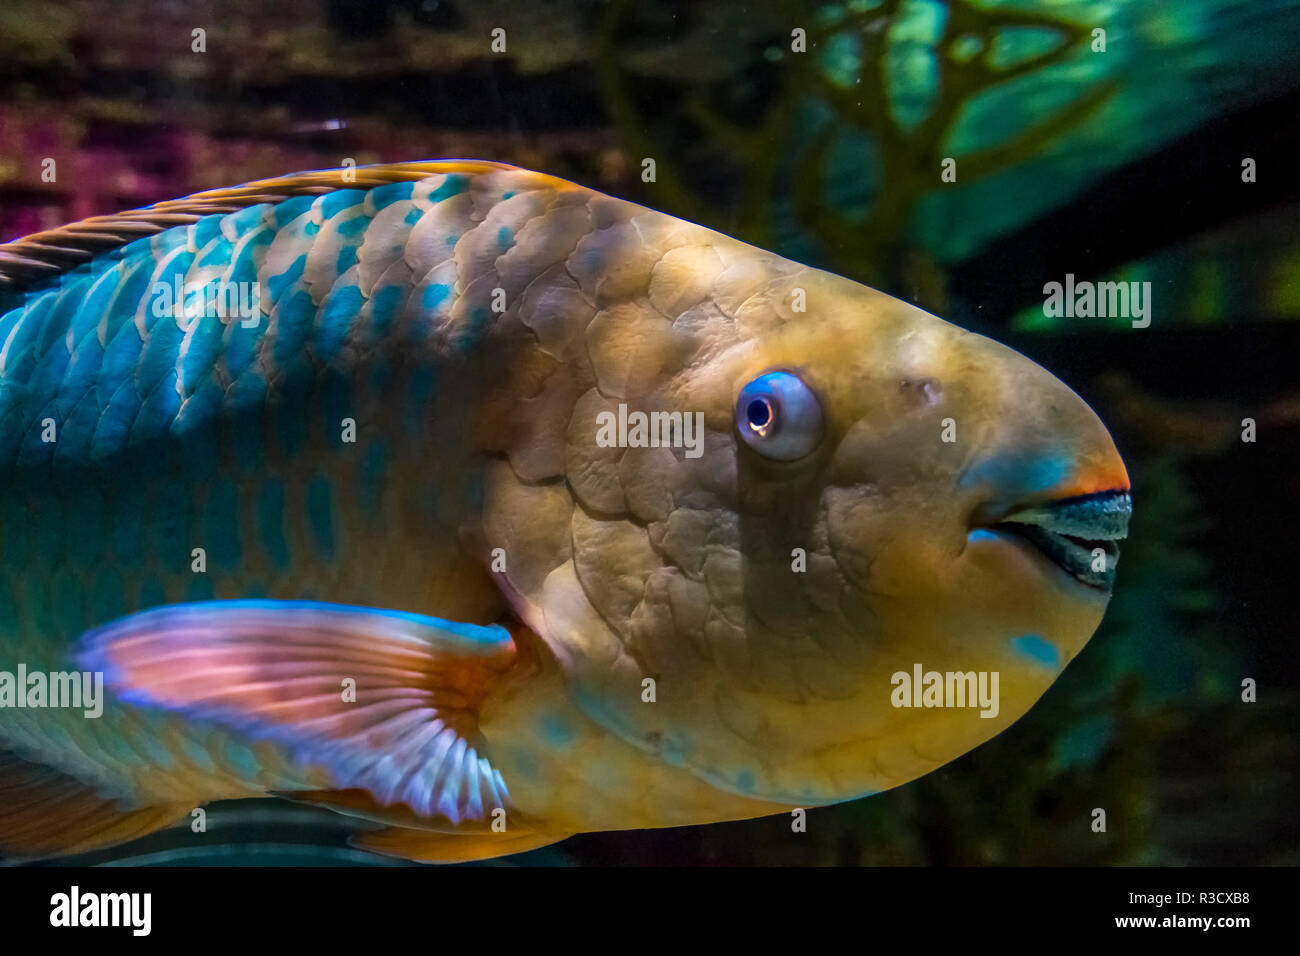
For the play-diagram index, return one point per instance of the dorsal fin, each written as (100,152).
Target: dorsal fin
(46,254)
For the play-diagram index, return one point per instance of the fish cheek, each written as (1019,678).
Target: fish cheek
(859,526)
(1010,591)
(773,544)
(806,627)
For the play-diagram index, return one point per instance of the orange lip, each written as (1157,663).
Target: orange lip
(1111,476)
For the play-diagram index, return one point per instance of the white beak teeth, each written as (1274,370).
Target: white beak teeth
(1092,519)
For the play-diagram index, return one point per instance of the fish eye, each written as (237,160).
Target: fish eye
(779,416)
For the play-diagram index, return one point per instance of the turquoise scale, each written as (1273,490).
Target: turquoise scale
(178,432)
(151,410)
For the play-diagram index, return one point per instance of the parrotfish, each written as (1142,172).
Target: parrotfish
(489,509)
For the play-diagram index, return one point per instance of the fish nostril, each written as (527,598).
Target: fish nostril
(922,391)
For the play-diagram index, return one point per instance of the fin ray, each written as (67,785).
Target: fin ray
(276,670)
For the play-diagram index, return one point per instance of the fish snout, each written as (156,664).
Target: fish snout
(1052,481)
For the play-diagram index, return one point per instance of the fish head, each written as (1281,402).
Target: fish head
(945,477)
(915,498)
(870,489)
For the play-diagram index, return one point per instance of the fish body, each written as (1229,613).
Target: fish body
(471,501)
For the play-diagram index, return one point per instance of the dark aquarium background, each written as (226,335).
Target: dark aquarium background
(1119,164)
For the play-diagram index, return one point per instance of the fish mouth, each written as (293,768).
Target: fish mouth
(1079,535)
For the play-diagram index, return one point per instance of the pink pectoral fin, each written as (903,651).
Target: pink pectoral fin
(381,700)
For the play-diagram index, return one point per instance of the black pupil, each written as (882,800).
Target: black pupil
(759,412)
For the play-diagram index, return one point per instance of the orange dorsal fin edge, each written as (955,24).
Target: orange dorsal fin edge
(44,255)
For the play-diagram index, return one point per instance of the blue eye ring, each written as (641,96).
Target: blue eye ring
(778,416)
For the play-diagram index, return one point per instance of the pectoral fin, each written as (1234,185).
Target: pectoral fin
(382,701)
